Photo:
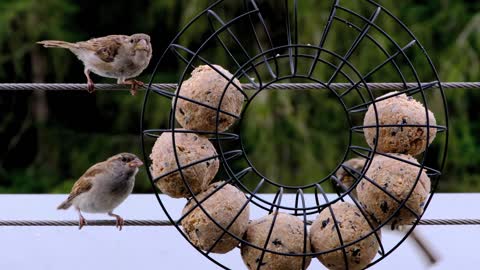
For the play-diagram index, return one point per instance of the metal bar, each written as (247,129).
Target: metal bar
(432,258)
(277,86)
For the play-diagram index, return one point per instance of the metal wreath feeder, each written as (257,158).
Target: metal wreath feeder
(279,59)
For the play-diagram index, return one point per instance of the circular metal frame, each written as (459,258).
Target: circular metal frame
(265,68)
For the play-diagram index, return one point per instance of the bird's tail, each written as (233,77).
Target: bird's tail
(56,44)
(64,205)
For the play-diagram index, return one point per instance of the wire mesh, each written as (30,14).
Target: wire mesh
(273,60)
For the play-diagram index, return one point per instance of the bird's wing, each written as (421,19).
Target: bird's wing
(105,48)
(85,182)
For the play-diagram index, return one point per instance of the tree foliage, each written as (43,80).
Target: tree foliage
(301,134)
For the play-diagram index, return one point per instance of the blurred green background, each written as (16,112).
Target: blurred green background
(48,139)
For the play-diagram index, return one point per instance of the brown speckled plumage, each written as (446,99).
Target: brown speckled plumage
(104,186)
(114,56)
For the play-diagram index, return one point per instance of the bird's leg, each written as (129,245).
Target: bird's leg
(81,220)
(134,83)
(90,85)
(120,220)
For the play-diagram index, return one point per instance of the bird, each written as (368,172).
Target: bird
(115,56)
(103,187)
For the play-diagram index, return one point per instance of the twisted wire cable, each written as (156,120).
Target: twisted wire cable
(56,223)
(277,86)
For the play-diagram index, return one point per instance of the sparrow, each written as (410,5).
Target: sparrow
(116,56)
(103,187)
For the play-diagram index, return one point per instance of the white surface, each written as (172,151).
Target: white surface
(62,248)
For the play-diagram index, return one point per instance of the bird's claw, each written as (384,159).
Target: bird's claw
(82,222)
(120,222)
(90,87)
(135,84)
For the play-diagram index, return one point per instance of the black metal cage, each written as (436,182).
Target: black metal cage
(273,59)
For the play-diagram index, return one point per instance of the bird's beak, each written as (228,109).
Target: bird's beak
(142,45)
(135,163)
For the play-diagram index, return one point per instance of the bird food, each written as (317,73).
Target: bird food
(207,86)
(287,236)
(223,206)
(402,111)
(398,179)
(190,148)
(352,226)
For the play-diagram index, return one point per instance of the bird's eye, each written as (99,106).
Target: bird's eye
(124,159)
(131,41)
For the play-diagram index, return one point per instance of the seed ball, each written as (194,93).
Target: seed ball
(223,206)
(287,237)
(352,226)
(399,110)
(207,86)
(190,149)
(345,177)
(397,178)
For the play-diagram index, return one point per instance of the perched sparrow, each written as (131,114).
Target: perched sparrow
(116,56)
(103,187)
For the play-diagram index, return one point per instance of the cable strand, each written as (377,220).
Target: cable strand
(55,223)
(278,86)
